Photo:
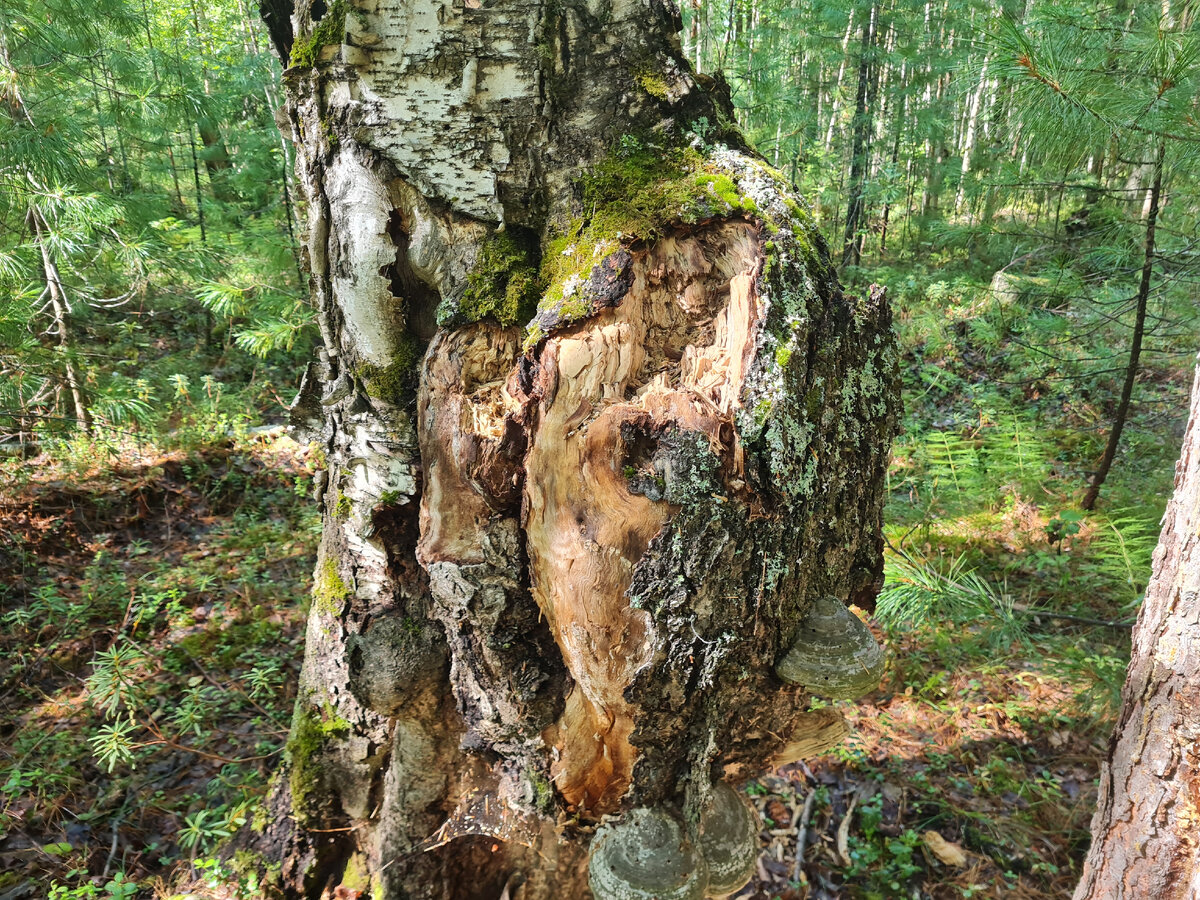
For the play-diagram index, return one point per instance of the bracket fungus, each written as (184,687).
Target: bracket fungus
(728,840)
(834,654)
(645,856)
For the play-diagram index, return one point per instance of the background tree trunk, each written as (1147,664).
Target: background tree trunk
(558,565)
(1146,831)
(1139,333)
(863,129)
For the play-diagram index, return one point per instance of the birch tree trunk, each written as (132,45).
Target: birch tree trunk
(595,444)
(1146,831)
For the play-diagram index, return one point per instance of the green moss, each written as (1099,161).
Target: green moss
(533,334)
(330,30)
(762,411)
(343,506)
(396,382)
(721,185)
(543,792)
(502,285)
(782,356)
(331,136)
(636,193)
(640,190)
(357,875)
(329,590)
(652,82)
(311,731)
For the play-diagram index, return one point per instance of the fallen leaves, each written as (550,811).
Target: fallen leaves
(947,852)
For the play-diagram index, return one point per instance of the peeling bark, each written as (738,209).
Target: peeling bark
(1146,831)
(559,561)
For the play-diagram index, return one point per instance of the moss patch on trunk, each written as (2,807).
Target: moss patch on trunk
(504,284)
(330,30)
(638,193)
(311,731)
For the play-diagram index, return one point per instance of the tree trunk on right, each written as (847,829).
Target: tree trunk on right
(1146,831)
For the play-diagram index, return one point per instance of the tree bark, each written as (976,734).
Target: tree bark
(972,129)
(558,563)
(61,330)
(1146,831)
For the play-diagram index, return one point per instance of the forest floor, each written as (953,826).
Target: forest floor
(153,614)
(978,784)
(152,608)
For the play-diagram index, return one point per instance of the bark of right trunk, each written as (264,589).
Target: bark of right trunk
(1146,831)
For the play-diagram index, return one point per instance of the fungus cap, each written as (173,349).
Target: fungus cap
(645,856)
(728,840)
(834,654)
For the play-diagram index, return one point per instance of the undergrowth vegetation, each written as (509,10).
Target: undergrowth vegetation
(152,606)
(1006,608)
(157,540)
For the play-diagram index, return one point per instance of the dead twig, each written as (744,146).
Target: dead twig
(802,830)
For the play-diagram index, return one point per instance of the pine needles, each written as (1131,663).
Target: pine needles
(919,592)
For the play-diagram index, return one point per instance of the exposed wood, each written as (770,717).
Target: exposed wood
(669,358)
(559,561)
